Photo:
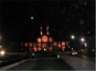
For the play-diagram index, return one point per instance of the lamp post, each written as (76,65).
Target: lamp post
(72,37)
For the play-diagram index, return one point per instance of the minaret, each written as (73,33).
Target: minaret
(47,30)
(41,32)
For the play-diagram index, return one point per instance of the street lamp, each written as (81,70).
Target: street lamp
(32,18)
(72,37)
(82,39)
(2,53)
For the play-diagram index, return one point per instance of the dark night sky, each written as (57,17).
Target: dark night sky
(63,16)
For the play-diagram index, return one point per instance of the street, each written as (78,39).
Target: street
(47,35)
(52,63)
(44,63)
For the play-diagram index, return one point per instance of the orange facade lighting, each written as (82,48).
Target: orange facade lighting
(63,43)
(59,45)
(39,40)
(35,49)
(45,38)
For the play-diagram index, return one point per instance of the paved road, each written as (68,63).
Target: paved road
(43,63)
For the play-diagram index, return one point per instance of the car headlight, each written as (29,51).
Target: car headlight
(2,53)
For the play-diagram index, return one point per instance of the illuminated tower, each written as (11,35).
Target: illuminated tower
(41,30)
(47,30)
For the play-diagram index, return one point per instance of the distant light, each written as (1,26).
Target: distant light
(45,38)
(39,40)
(41,33)
(2,52)
(48,33)
(82,39)
(72,48)
(35,49)
(33,54)
(59,45)
(63,43)
(72,36)
(85,44)
(45,49)
(32,18)
(58,56)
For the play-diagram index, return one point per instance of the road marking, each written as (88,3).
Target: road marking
(13,65)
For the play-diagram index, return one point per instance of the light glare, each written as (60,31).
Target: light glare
(72,36)
(82,39)
(2,53)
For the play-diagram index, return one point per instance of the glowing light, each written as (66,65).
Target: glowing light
(35,49)
(45,49)
(44,38)
(85,44)
(33,54)
(39,40)
(2,52)
(63,43)
(48,33)
(58,56)
(32,18)
(72,48)
(41,33)
(59,45)
(72,36)
(82,39)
